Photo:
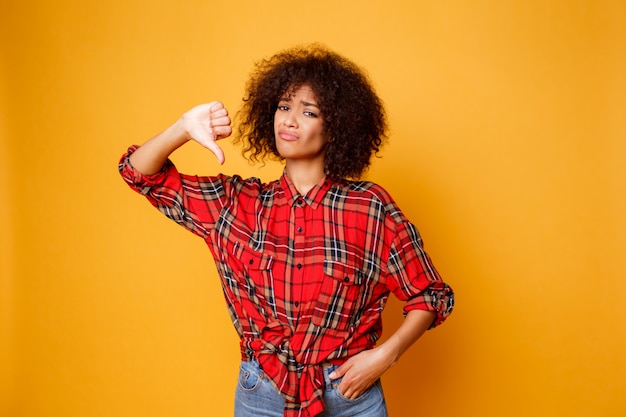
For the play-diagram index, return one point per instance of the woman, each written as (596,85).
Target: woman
(308,261)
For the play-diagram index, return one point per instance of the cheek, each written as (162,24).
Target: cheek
(323,136)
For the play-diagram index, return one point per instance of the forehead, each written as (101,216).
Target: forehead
(303,91)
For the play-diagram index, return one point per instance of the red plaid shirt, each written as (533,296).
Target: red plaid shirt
(305,277)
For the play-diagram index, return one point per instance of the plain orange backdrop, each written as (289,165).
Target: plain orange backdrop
(507,151)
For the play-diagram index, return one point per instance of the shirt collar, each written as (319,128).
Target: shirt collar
(313,197)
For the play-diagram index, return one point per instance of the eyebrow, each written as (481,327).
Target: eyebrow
(289,98)
(306,103)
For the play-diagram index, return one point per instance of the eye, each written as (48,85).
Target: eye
(309,113)
(283,107)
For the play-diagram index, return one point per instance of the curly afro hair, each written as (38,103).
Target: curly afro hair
(353,116)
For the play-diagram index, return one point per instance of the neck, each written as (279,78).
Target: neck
(304,176)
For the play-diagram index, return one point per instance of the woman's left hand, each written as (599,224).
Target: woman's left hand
(361,371)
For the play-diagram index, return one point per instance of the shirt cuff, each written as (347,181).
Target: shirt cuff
(138,181)
(438,297)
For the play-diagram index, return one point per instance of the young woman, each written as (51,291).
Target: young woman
(308,261)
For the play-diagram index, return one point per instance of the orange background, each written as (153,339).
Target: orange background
(507,150)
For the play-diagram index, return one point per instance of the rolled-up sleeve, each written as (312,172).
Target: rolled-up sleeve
(138,181)
(413,277)
(191,201)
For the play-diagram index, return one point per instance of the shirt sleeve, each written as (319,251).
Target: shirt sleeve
(413,277)
(191,201)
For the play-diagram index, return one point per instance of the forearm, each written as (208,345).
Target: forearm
(205,123)
(363,369)
(151,156)
(412,328)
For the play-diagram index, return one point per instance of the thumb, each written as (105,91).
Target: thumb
(214,147)
(205,139)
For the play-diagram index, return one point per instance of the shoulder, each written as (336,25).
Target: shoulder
(236,181)
(251,186)
(371,194)
(366,190)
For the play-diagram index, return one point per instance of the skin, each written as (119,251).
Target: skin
(206,124)
(363,369)
(300,139)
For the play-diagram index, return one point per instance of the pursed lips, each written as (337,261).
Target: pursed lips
(286,135)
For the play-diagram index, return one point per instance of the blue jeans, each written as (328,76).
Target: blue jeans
(257,397)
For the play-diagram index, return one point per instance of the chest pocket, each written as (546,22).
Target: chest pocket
(342,295)
(245,271)
(250,283)
(253,267)
(251,259)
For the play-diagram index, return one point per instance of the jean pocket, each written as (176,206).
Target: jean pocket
(373,394)
(250,376)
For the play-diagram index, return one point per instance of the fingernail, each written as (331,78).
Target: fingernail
(332,375)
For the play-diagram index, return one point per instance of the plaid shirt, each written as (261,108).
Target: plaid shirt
(305,277)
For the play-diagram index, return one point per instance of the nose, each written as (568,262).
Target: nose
(289,121)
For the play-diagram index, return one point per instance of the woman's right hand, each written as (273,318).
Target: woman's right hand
(206,124)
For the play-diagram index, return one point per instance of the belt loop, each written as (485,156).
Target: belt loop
(327,368)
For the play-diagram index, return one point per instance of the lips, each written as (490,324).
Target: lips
(287,135)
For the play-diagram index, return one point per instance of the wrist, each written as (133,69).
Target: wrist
(390,351)
(179,131)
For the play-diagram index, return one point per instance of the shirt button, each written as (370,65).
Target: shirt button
(346,279)
(300,229)
(251,261)
(299,266)
(296,304)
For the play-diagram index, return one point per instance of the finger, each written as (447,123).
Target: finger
(347,391)
(219,112)
(215,106)
(352,392)
(222,132)
(340,371)
(213,147)
(220,121)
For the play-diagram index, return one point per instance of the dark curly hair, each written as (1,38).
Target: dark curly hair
(354,118)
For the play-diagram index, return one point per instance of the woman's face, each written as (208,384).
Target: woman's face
(298,126)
